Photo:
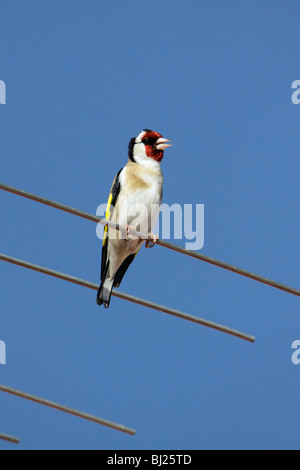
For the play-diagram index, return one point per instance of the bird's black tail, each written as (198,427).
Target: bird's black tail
(104,292)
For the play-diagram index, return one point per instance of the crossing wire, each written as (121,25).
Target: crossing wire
(67,409)
(163,243)
(130,298)
(7,437)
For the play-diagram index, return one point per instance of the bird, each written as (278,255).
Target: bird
(136,190)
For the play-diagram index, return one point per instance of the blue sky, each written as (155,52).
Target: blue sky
(83,78)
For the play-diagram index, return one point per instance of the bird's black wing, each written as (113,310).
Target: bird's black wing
(111,203)
(122,269)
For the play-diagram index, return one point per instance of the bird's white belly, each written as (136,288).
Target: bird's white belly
(138,210)
(137,207)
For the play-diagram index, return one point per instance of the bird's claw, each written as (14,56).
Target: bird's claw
(152,240)
(128,228)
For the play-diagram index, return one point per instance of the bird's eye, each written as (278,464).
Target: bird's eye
(149,141)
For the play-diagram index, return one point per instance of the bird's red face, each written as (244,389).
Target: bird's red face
(148,147)
(154,145)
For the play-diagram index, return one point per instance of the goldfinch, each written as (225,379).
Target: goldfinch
(136,189)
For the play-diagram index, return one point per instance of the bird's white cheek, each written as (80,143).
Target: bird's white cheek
(139,152)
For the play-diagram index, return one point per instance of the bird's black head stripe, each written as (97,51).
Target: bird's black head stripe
(130,149)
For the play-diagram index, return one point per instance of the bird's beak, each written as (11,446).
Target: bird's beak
(161,143)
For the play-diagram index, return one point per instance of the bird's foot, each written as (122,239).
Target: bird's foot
(152,239)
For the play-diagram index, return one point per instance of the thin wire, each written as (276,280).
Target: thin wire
(6,437)
(66,409)
(163,243)
(130,298)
